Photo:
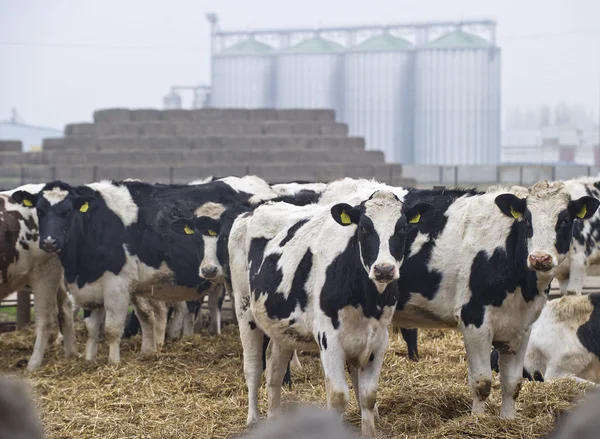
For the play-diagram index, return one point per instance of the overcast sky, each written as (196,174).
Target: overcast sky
(62,59)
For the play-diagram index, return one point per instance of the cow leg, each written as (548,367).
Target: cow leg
(332,358)
(577,273)
(116,302)
(46,307)
(93,324)
(160,322)
(368,381)
(511,377)
(189,319)
(295,363)
(232,299)
(65,321)
(175,323)
(215,312)
(354,377)
(199,323)
(145,315)
(277,366)
(478,344)
(563,284)
(410,336)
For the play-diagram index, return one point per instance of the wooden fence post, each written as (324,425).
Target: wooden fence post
(23,308)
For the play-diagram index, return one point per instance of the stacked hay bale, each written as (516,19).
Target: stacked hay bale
(177,146)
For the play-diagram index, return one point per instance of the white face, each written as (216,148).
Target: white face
(381,234)
(210,267)
(55,195)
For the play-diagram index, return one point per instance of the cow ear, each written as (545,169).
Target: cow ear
(83,204)
(420,214)
(24,198)
(183,226)
(344,214)
(511,205)
(207,226)
(584,207)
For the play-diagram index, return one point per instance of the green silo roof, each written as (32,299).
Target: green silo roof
(383,43)
(248,47)
(316,45)
(458,38)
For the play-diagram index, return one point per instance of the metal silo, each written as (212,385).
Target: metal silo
(309,75)
(457,101)
(378,99)
(242,76)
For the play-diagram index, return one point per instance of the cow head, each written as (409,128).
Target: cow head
(381,231)
(56,205)
(547,215)
(210,228)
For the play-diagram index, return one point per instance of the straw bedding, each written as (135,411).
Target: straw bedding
(195,388)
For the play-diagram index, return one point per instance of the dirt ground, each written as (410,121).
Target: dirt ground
(195,388)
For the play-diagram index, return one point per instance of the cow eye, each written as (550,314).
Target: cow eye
(565,222)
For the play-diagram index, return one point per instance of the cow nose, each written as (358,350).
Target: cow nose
(49,244)
(209,272)
(541,261)
(384,272)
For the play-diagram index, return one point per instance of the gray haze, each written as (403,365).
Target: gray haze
(62,59)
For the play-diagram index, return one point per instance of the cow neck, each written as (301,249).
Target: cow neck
(94,246)
(517,252)
(348,284)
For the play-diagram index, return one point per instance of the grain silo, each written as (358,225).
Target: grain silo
(243,75)
(309,75)
(457,101)
(378,99)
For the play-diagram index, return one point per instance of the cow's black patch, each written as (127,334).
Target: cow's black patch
(324,341)
(371,357)
(564,231)
(493,277)
(369,240)
(268,279)
(589,333)
(292,322)
(252,325)
(348,284)
(415,275)
(292,231)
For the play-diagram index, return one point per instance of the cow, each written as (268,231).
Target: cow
(485,268)
(565,340)
(320,277)
(114,243)
(580,422)
(19,418)
(585,248)
(23,263)
(303,422)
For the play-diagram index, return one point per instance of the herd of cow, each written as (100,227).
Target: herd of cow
(314,266)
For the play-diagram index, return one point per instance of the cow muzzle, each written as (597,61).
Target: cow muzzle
(541,261)
(209,272)
(48,244)
(384,273)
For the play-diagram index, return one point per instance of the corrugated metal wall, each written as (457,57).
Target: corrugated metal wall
(307,80)
(457,104)
(243,81)
(378,101)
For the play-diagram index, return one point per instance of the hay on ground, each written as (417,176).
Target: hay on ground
(195,388)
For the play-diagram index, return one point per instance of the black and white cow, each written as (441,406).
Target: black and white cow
(113,239)
(585,248)
(565,340)
(23,263)
(320,277)
(485,267)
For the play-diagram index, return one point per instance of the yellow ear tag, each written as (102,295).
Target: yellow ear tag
(188,230)
(582,212)
(27,202)
(345,218)
(84,207)
(212,232)
(415,219)
(514,213)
